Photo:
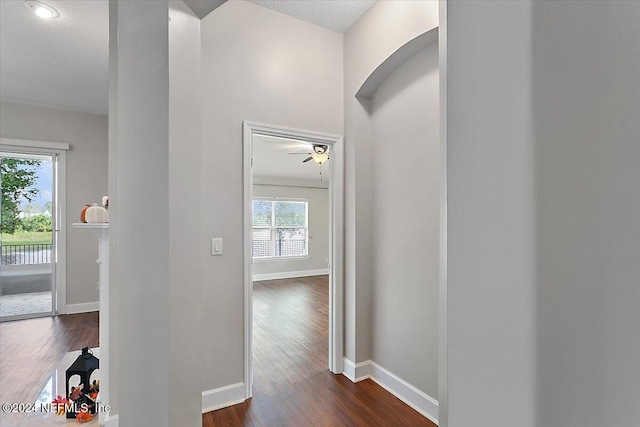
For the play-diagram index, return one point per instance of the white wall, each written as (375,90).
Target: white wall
(586,123)
(267,67)
(318,221)
(491,216)
(386,27)
(86,179)
(544,201)
(405,221)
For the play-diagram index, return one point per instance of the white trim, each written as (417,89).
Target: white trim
(336,259)
(285,132)
(358,371)
(336,275)
(409,394)
(282,199)
(27,143)
(279,258)
(60,266)
(248,277)
(443,355)
(290,274)
(222,397)
(84,307)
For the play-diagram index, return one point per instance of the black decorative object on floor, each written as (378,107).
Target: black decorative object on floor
(84,366)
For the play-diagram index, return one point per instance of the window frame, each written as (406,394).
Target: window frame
(272,229)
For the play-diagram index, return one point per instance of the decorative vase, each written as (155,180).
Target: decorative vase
(96,214)
(83,213)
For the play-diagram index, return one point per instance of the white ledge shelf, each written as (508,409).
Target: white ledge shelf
(87,225)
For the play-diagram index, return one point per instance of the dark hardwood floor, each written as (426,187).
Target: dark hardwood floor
(30,349)
(292,385)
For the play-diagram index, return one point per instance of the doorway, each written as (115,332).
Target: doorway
(32,245)
(268,236)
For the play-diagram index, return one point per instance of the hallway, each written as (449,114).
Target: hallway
(292,385)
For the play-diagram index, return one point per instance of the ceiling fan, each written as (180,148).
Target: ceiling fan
(319,154)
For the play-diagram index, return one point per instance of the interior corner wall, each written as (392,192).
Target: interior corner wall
(262,66)
(406,204)
(386,27)
(586,100)
(87,134)
(318,223)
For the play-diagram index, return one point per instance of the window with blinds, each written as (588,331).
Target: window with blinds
(280,228)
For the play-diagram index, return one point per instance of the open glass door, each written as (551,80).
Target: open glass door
(29,238)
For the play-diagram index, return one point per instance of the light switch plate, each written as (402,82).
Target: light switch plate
(216,246)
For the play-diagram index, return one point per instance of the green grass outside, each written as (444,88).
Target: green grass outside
(27,238)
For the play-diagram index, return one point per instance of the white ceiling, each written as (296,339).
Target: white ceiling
(335,15)
(271,160)
(61,62)
(64,62)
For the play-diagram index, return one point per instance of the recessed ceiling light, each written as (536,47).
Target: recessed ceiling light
(43,10)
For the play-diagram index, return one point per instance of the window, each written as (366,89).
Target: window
(279,228)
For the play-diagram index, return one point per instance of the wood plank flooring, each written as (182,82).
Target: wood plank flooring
(30,349)
(292,385)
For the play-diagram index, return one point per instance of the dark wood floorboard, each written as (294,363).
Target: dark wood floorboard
(30,349)
(292,385)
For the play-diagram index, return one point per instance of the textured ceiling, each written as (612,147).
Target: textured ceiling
(271,159)
(61,62)
(64,62)
(336,15)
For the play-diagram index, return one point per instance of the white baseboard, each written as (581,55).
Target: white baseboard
(83,307)
(222,397)
(417,399)
(357,372)
(289,274)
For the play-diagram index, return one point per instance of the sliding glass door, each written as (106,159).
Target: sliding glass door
(29,239)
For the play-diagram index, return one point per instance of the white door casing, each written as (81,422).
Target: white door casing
(336,240)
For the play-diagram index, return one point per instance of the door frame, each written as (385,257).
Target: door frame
(336,240)
(59,235)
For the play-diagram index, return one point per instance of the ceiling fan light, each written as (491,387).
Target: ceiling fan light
(320,149)
(320,158)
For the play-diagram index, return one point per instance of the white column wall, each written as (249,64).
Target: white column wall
(543,206)
(141,201)
(155,275)
(586,122)
(491,216)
